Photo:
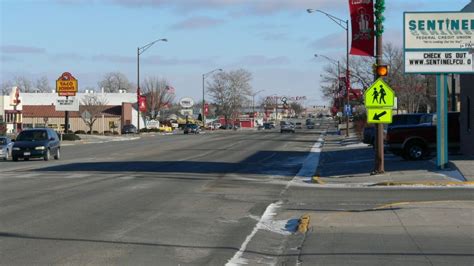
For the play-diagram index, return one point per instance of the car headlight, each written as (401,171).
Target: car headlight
(16,148)
(40,148)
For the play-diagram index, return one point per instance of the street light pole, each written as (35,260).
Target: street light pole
(141,50)
(345,25)
(203,115)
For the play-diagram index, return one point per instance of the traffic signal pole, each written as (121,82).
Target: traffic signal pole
(379,145)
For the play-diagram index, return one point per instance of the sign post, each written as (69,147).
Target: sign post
(442,120)
(439,43)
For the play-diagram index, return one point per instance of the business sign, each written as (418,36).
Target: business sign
(438,42)
(440,30)
(152,124)
(379,95)
(70,104)
(439,62)
(66,85)
(15,96)
(186,102)
(379,116)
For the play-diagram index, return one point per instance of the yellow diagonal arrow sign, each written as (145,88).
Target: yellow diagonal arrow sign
(379,116)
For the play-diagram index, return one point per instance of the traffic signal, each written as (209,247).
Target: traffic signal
(381,70)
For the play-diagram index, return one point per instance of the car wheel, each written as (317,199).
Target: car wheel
(15,159)
(281,131)
(58,155)
(415,150)
(47,155)
(26,159)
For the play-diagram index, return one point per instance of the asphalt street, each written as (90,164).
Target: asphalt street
(212,199)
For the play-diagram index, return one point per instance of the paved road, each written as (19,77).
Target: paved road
(186,200)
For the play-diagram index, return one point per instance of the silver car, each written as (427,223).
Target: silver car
(6,146)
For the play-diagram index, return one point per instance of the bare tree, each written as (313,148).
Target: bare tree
(42,85)
(297,108)
(411,90)
(23,83)
(159,96)
(114,81)
(91,108)
(6,87)
(230,90)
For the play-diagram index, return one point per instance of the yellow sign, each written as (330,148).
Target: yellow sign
(379,116)
(66,85)
(379,95)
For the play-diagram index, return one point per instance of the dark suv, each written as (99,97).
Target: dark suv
(36,143)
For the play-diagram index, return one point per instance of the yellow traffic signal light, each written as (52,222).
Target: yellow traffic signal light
(381,70)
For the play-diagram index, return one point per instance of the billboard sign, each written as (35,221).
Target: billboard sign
(438,42)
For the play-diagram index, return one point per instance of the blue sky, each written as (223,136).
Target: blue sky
(273,39)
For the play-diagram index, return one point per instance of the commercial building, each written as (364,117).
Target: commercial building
(39,110)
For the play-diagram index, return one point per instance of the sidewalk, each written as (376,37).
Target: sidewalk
(346,160)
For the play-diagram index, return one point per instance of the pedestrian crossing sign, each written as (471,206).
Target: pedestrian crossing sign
(379,95)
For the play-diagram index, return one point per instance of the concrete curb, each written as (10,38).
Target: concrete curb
(424,183)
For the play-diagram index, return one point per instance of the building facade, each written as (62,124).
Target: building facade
(467,106)
(39,110)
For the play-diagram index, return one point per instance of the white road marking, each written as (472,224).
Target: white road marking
(263,223)
(266,221)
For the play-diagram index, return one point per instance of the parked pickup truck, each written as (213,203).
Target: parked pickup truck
(415,142)
(397,120)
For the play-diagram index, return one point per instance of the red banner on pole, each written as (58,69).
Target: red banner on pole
(362,21)
(142,103)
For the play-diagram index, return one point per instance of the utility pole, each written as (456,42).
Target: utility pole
(379,156)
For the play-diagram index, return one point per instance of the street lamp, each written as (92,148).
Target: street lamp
(345,25)
(336,62)
(204,76)
(253,104)
(141,50)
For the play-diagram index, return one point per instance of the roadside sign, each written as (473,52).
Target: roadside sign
(379,116)
(426,62)
(378,95)
(71,104)
(438,30)
(66,85)
(438,42)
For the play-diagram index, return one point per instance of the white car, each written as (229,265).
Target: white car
(6,146)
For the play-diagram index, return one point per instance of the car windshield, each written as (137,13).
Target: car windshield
(32,135)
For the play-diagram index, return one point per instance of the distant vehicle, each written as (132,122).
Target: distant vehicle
(36,143)
(192,129)
(287,127)
(228,126)
(129,129)
(310,126)
(298,125)
(268,125)
(6,146)
(415,142)
(216,125)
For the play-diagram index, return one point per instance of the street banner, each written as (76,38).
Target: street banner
(362,22)
(142,103)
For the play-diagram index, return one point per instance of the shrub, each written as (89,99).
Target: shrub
(70,137)
(79,132)
(144,130)
(107,133)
